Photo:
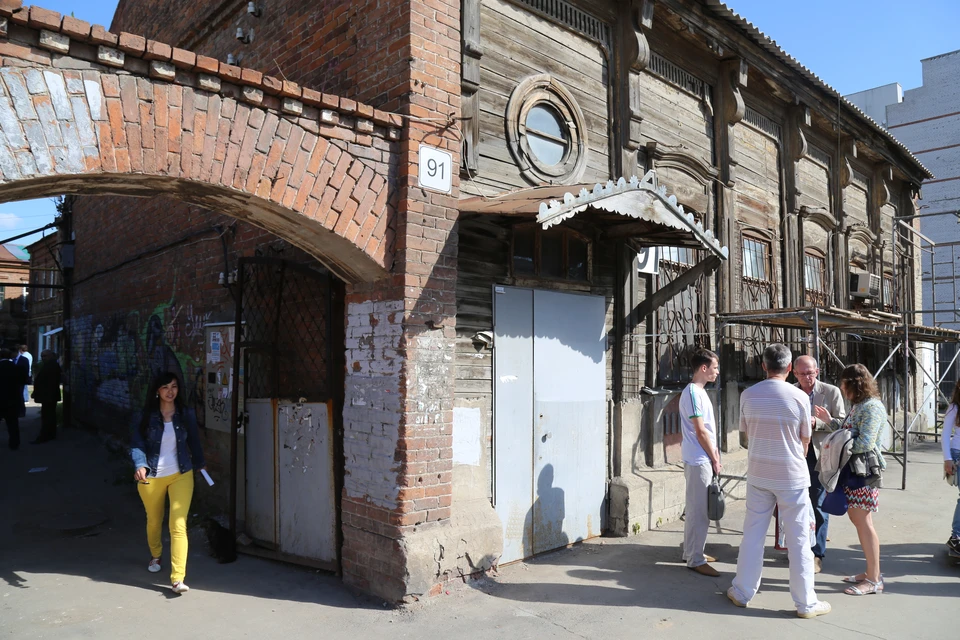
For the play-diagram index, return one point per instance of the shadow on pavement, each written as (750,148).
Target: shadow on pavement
(70,507)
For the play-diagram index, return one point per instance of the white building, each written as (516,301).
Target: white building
(927,121)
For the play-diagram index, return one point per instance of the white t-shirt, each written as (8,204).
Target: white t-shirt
(950,438)
(695,403)
(775,415)
(168,463)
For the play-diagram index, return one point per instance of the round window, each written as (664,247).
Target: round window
(546,132)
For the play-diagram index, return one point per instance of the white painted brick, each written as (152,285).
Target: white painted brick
(110,57)
(54,41)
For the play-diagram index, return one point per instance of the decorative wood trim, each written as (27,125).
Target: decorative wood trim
(819,216)
(677,76)
(818,155)
(734,77)
(763,124)
(573,18)
(470,86)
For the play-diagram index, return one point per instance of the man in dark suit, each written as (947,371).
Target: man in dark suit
(12,379)
(46,391)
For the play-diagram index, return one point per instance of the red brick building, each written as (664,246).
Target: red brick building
(15,298)
(45,308)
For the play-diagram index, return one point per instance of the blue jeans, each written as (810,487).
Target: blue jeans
(816,500)
(955,454)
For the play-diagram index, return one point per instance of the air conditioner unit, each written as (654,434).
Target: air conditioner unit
(864,285)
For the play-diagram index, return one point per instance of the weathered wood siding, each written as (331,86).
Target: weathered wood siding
(675,117)
(758,178)
(814,184)
(518,44)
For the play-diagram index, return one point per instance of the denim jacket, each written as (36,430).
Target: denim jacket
(146,453)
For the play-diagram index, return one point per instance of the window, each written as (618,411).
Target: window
(889,301)
(558,253)
(815,279)
(757,292)
(681,323)
(546,134)
(546,131)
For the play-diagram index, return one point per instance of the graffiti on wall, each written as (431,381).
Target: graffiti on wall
(115,357)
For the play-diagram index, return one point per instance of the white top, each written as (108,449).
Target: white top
(775,415)
(695,403)
(168,463)
(950,427)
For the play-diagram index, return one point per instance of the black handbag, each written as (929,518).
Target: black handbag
(716,499)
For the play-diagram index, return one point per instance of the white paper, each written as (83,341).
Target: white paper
(206,476)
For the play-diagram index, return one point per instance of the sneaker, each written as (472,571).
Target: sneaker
(180,587)
(954,544)
(733,599)
(154,565)
(820,609)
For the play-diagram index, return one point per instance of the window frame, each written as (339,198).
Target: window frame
(538,255)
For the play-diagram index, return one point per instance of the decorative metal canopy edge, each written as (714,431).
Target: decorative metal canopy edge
(640,199)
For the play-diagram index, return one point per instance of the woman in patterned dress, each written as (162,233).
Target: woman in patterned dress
(868,416)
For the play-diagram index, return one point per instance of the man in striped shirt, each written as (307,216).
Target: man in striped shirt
(700,458)
(775,415)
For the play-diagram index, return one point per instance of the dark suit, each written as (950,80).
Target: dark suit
(46,391)
(12,379)
(24,364)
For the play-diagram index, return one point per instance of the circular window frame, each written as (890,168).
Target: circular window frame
(530,92)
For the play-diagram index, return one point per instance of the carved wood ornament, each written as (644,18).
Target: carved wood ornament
(733,78)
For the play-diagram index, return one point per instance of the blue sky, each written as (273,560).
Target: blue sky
(851,44)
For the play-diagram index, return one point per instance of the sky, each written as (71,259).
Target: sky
(851,44)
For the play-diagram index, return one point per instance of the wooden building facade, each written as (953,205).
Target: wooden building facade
(798,185)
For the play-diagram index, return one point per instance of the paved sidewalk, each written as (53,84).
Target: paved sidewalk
(73,565)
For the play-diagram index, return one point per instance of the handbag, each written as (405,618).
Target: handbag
(716,499)
(835,503)
(951,478)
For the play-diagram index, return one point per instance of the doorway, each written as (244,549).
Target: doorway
(549,418)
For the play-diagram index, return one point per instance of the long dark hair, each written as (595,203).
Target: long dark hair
(152,405)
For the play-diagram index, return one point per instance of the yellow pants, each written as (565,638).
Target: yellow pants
(154,492)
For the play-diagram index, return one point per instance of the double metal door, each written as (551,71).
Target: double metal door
(549,418)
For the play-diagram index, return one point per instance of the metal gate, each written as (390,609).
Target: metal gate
(290,322)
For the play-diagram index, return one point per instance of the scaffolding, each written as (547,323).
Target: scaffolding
(877,327)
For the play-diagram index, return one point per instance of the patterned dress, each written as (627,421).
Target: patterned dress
(868,417)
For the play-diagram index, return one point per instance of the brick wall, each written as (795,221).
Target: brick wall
(357,49)
(145,286)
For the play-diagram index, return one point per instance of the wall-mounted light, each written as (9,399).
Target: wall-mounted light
(254,9)
(246,37)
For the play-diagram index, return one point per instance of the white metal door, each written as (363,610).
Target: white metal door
(513,419)
(261,471)
(550,418)
(569,435)
(307,500)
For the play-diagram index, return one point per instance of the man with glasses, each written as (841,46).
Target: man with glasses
(827,396)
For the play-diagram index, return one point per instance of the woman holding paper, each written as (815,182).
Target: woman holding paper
(165,447)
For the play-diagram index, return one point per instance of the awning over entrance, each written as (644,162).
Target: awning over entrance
(636,210)
(52,332)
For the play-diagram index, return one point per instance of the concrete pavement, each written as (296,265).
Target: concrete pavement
(73,565)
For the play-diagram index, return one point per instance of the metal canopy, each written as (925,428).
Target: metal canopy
(635,210)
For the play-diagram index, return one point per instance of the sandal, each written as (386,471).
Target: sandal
(874,587)
(857,579)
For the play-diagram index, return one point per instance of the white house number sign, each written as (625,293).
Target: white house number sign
(436,169)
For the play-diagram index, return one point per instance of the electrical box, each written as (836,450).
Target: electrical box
(864,285)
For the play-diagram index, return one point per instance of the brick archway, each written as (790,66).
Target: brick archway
(85,111)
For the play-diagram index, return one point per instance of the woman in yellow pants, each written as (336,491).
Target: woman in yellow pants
(165,447)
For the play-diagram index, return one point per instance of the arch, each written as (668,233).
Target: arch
(85,111)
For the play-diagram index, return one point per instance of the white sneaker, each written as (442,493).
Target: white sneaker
(181,587)
(820,609)
(154,565)
(733,598)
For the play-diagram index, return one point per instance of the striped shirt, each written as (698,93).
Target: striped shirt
(775,415)
(695,403)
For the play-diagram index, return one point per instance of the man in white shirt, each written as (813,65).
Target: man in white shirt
(24,353)
(775,415)
(700,458)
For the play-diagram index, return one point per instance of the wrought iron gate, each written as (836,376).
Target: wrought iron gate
(289,321)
